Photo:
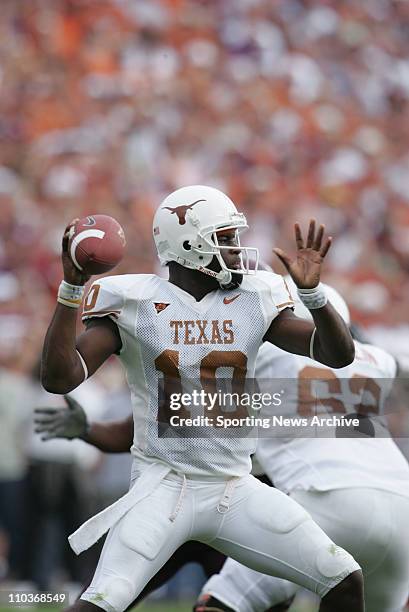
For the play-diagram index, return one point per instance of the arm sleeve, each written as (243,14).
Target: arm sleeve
(103,299)
(275,295)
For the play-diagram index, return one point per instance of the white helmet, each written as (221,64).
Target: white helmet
(185,226)
(332,294)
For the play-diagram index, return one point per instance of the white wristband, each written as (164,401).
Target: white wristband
(70,295)
(313,298)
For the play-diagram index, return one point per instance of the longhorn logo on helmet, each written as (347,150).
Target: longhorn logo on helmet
(181,211)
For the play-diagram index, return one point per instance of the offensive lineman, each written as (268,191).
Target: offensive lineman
(210,314)
(356,489)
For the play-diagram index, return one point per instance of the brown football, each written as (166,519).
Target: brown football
(96,244)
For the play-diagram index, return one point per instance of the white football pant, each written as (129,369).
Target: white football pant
(241,517)
(371,524)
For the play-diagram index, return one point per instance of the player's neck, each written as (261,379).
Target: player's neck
(192,281)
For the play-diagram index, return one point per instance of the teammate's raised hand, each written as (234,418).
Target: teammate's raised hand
(71,274)
(68,422)
(305,269)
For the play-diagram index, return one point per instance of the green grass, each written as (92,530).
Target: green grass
(162,606)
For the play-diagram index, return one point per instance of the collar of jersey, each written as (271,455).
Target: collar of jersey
(188,299)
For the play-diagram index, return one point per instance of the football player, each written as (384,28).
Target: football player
(355,487)
(213,313)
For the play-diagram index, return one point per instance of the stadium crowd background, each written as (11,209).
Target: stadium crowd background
(296,108)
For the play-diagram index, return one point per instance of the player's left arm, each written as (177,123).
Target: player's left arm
(327,339)
(70,422)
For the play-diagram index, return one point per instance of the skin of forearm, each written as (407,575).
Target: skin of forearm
(61,368)
(110,437)
(333,343)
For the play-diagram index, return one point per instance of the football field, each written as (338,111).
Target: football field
(160,606)
(300,605)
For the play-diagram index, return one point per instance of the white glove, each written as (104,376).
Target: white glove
(68,422)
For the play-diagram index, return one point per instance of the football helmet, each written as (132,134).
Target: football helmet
(185,230)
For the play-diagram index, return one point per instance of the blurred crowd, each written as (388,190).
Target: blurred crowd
(48,488)
(296,108)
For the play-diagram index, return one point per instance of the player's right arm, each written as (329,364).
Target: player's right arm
(64,355)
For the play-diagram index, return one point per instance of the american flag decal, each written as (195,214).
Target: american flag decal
(159,306)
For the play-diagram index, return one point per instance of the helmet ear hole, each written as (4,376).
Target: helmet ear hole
(187,245)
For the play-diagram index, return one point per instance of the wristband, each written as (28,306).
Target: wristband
(70,295)
(313,298)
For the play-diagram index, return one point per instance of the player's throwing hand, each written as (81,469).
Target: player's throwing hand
(305,269)
(71,274)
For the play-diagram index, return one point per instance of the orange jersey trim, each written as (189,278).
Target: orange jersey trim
(101,313)
(285,304)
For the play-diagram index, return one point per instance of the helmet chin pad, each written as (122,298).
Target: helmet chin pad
(231,279)
(236,280)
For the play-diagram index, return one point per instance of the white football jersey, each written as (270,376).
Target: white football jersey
(169,340)
(327,462)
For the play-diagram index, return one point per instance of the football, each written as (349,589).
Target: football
(96,244)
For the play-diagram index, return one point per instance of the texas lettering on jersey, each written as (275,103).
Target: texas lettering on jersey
(202,332)
(173,344)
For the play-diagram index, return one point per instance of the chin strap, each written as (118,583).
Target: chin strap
(224,277)
(234,283)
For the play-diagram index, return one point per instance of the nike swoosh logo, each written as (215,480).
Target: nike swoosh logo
(230,300)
